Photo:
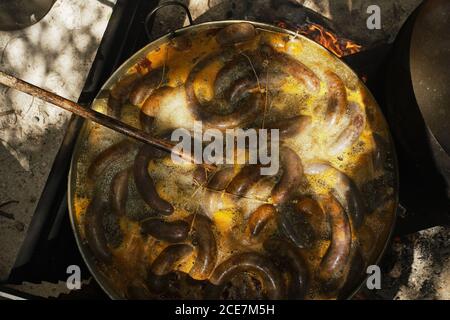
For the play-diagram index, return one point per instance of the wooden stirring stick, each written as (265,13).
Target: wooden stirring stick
(100,118)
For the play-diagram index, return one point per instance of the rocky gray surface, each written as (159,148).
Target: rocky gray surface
(416,266)
(56,54)
(346,16)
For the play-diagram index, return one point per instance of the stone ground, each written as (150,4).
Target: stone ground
(349,16)
(416,266)
(56,54)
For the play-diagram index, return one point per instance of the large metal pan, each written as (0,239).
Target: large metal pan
(91,142)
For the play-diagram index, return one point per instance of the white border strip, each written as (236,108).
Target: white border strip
(10,296)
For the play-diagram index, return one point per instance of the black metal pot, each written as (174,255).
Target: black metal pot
(418,110)
(19,14)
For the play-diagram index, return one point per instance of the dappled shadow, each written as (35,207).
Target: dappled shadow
(20,187)
(415,267)
(351,18)
(56,54)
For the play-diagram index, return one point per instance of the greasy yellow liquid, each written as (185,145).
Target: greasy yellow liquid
(175,182)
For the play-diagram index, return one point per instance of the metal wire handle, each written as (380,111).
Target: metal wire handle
(162,5)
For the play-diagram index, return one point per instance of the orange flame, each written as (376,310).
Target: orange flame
(339,46)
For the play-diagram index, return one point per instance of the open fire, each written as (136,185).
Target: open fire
(339,46)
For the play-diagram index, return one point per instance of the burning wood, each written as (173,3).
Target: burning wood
(339,46)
